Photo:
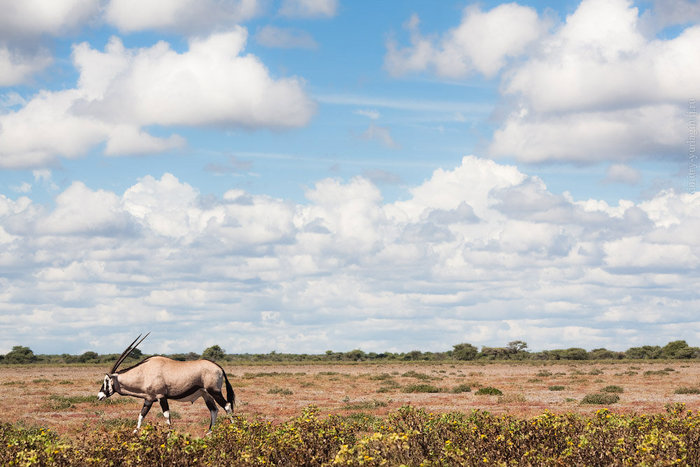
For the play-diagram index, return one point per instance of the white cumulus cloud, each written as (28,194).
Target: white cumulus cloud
(23,25)
(483,42)
(185,16)
(599,89)
(17,67)
(122,90)
(480,252)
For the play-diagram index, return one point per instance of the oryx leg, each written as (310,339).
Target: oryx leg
(144,411)
(220,399)
(213,409)
(166,409)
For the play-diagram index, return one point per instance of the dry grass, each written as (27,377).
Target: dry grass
(62,397)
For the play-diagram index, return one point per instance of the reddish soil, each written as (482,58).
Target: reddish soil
(50,396)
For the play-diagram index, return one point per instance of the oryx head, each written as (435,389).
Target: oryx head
(110,380)
(107,387)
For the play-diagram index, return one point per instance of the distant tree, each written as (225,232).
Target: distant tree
(646,352)
(464,351)
(572,353)
(604,354)
(517,350)
(88,356)
(355,355)
(185,356)
(678,349)
(413,355)
(517,346)
(214,353)
(575,353)
(20,354)
(490,353)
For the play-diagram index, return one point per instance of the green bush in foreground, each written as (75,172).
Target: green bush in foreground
(407,436)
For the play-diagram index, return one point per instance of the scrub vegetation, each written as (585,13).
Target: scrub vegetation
(407,436)
(515,350)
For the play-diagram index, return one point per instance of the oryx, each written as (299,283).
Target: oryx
(160,378)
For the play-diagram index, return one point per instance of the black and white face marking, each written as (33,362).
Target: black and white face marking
(107,388)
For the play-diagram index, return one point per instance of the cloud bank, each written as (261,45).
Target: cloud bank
(482,253)
(120,92)
(600,86)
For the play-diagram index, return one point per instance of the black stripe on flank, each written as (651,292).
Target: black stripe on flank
(187,393)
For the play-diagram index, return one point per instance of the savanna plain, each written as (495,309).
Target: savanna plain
(447,413)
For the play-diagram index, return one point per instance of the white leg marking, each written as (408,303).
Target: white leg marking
(166,414)
(228,408)
(138,424)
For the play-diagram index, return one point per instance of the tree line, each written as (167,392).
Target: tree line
(515,350)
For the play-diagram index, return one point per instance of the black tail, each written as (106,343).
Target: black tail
(230,395)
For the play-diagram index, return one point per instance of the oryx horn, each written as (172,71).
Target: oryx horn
(127,352)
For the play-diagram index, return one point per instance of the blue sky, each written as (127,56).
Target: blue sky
(304,175)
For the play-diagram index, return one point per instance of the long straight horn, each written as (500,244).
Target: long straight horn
(127,351)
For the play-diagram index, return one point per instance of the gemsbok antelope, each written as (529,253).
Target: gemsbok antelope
(160,378)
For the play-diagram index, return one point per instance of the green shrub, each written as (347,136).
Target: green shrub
(600,399)
(407,436)
(281,391)
(687,390)
(489,391)
(557,388)
(613,389)
(364,405)
(381,377)
(414,374)
(461,388)
(420,387)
